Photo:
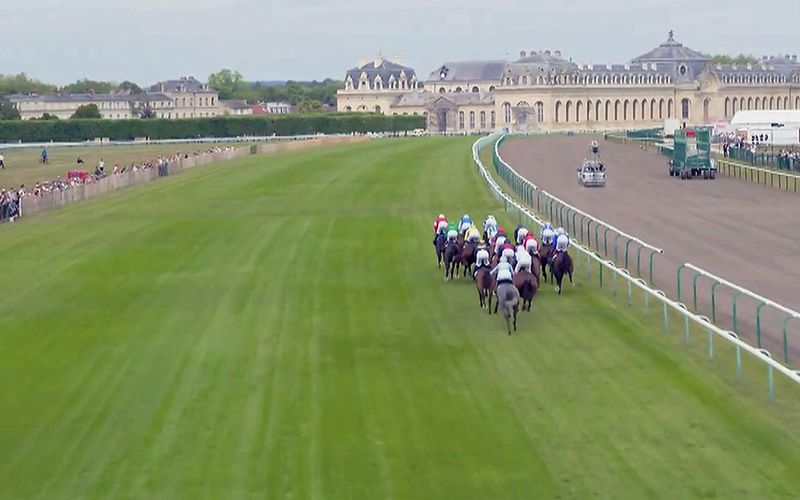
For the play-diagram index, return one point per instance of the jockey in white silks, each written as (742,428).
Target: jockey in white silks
(521,234)
(532,246)
(548,237)
(546,227)
(499,242)
(481,260)
(562,242)
(524,260)
(508,253)
(503,272)
(452,235)
(490,227)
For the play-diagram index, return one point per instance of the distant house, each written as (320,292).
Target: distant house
(182,98)
(237,107)
(272,108)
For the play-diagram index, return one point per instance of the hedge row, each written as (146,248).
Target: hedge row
(223,126)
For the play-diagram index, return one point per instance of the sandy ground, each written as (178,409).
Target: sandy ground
(746,233)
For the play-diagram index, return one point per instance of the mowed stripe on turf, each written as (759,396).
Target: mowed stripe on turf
(277,327)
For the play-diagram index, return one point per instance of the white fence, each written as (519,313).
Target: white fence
(711,329)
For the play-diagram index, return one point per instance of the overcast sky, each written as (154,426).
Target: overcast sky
(148,40)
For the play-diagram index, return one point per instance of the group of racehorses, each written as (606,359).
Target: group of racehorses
(460,257)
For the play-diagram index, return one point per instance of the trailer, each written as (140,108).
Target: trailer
(691,154)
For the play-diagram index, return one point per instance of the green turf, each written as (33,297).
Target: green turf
(277,328)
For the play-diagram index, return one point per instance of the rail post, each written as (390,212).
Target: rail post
(770,377)
(694,288)
(627,247)
(678,280)
(616,248)
(714,301)
(738,356)
(574,225)
(652,278)
(605,241)
(685,323)
(646,296)
(785,328)
(736,294)
(666,312)
(639,261)
(758,322)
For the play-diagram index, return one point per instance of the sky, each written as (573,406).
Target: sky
(145,41)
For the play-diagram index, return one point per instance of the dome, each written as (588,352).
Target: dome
(671,51)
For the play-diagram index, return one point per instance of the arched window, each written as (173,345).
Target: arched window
(524,80)
(558,111)
(442,90)
(539,106)
(483,119)
(785,103)
(771,103)
(757,103)
(348,109)
(578,111)
(625,110)
(670,105)
(617,105)
(797,103)
(685,109)
(472,120)
(608,111)
(460,120)
(597,110)
(749,103)
(378,83)
(706,110)
(377,109)
(507,112)
(653,109)
(459,89)
(494,121)
(734,106)
(475,89)
(568,111)
(635,109)
(727,107)
(491,88)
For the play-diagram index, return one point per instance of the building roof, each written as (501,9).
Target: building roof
(469,71)
(766,117)
(88,97)
(380,67)
(183,84)
(672,51)
(236,104)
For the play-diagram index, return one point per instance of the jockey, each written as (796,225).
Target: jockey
(548,237)
(481,260)
(508,252)
(562,242)
(503,271)
(437,224)
(524,260)
(472,235)
(559,232)
(466,222)
(546,227)
(452,236)
(532,246)
(520,234)
(500,240)
(490,227)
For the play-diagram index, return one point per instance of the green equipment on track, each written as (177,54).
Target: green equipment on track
(691,154)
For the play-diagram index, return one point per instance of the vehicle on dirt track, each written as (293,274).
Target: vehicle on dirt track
(691,154)
(592,172)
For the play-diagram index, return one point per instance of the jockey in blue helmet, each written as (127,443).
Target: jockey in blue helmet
(490,227)
(546,226)
(466,222)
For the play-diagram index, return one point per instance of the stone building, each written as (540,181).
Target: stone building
(182,98)
(544,91)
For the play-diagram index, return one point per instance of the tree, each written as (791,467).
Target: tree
(86,111)
(130,88)
(86,86)
(740,60)
(22,84)
(226,82)
(8,111)
(45,117)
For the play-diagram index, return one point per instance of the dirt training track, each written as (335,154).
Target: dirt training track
(746,233)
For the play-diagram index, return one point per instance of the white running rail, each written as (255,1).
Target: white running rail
(760,354)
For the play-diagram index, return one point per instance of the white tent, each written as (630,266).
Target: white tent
(789,118)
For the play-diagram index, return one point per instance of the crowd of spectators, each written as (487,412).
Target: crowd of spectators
(11,199)
(757,151)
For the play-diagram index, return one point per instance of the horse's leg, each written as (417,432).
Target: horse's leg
(496,303)
(508,323)
(490,302)
(480,297)
(516,309)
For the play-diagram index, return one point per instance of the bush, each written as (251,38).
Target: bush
(221,126)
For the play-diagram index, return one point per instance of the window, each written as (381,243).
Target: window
(539,112)
(507,112)
(377,109)
(471,120)
(685,109)
(212,101)
(494,121)
(442,90)
(483,119)
(461,120)
(558,111)
(475,90)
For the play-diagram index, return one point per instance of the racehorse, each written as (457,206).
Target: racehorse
(452,255)
(440,242)
(561,265)
(469,253)
(536,269)
(544,260)
(508,298)
(485,283)
(527,285)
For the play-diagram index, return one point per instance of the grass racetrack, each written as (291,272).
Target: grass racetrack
(277,328)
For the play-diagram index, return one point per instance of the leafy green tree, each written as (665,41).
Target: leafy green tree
(130,87)
(86,111)
(226,82)
(22,84)
(741,59)
(86,86)
(8,111)
(46,117)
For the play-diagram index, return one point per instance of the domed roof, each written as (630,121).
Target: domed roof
(381,67)
(672,51)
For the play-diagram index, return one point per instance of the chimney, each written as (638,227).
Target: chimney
(522,54)
(558,54)
(547,52)
(378,60)
(794,58)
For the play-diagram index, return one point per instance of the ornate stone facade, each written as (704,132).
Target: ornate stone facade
(543,91)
